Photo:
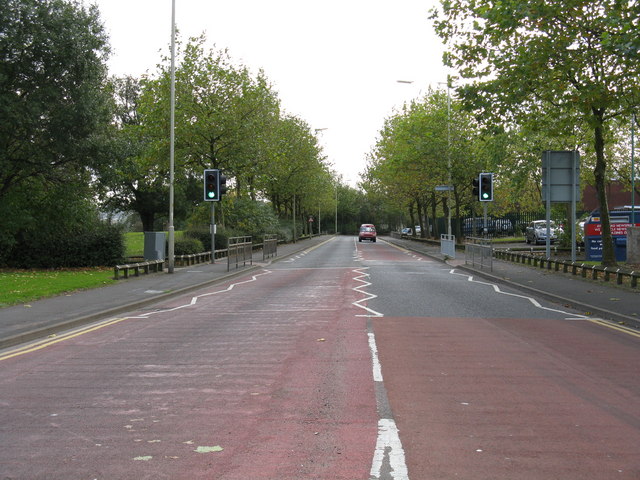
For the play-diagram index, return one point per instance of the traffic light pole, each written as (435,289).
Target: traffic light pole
(212,227)
(485,225)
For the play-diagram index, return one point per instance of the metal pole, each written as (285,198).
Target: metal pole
(575,181)
(633,171)
(171,253)
(548,203)
(485,229)
(336,209)
(449,155)
(213,232)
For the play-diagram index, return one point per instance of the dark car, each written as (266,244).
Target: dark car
(476,226)
(367,232)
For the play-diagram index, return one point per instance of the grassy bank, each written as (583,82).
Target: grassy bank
(23,286)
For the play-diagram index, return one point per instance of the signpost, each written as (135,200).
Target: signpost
(561,184)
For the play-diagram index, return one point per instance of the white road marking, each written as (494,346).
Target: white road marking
(496,288)
(368,296)
(377,369)
(389,445)
(389,451)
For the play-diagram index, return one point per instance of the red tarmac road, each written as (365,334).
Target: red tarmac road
(268,380)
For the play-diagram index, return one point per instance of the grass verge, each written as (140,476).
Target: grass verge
(22,286)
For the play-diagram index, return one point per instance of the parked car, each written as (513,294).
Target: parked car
(406,231)
(503,225)
(536,232)
(471,226)
(367,232)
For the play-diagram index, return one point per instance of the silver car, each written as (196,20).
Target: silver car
(536,232)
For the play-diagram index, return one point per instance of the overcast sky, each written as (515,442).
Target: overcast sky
(334,63)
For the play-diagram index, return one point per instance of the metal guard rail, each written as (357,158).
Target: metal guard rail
(594,272)
(270,246)
(239,250)
(146,267)
(478,252)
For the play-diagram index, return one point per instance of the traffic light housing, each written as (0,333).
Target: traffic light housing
(486,187)
(222,184)
(476,187)
(214,185)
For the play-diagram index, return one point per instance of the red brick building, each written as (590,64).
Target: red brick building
(616,196)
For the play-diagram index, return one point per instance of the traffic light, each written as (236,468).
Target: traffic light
(214,185)
(486,187)
(222,184)
(476,187)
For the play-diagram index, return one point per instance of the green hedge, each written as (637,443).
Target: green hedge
(103,245)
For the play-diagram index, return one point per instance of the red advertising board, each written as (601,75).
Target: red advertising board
(594,229)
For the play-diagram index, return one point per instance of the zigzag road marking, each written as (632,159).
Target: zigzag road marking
(497,289)
(368,296)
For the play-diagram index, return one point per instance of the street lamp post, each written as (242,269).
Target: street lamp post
(171,252)
(633,170)
(449,154)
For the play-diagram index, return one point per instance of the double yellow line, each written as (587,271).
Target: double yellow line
(613,326)
(52,341)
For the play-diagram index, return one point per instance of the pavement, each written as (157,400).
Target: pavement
(46,317)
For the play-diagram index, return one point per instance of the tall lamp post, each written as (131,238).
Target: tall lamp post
(448,153)
(633,170)
(171,252)
(318,130)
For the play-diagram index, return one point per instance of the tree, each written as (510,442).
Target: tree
(430,142)
(136,177)
(577,58)
(53,107)
(52,102)
(294,167)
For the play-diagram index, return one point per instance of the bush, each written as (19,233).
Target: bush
(188,246)
(203,235)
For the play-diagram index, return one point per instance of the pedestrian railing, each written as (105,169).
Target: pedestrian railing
(270,246)
(239,252)
(478,252)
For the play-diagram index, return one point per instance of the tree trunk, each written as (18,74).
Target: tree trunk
(434,206)
(412,216)
(420,216)
(608,253)
(148,221)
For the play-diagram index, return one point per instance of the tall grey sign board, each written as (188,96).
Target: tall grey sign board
(561,184)
(561,176)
